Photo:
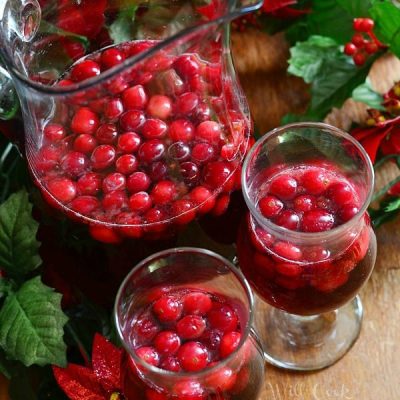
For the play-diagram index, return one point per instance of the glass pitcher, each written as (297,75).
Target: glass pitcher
(135,123)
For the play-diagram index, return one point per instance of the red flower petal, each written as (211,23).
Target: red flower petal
(395,189)
(106,361)
(371,143)
(361,133)
(79,383)
(273,5)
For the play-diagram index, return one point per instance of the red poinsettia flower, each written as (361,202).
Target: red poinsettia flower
(282,9)
(103,381)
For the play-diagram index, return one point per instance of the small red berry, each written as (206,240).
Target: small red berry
(350,49)
(140,202)
(113,181)
(163,192)
(132,120)
(210,131)
(193,356)
(149,355)
(203,198)
(186,103)
(74,163)
(151,151)
(358,40)
(135,98)
(359,59)
(181,130)
(85,204)
(85,143)
(106,133)
(317,221)
(138,182)
(126,164)
(348,211)
(114,201)
(288,251)
(371,48)
(54,132)
(159,107)
(113,109)
(315,181)
(111,57)
(270,206)
(85,70)
(288,219)
(222,317)
(89,184)
(129,142)
(283,186)
(167,309)
(84,121)
(167,342)
(229,343)
(154,129)
(170,363)
(203,152)
(363,24)
(191,327)
(63,189)
(197,303)
(103,156)
(183,211)
(216,174)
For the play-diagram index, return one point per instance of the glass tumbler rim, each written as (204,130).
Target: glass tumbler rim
(307,237)
(244,334)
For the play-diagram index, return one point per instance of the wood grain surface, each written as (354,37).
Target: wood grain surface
(371,370)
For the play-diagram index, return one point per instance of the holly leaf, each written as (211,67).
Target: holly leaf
(31,325)
(79,383)
(356,8)
(121,29)
(18,244)
(47,27)
(367,95)
(387,24)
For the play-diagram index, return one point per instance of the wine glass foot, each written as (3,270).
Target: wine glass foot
(308,343)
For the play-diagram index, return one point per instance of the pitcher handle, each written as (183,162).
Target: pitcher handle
(9,103)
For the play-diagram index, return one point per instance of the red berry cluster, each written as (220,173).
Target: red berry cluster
(364,43)
(158,147)
(188,331)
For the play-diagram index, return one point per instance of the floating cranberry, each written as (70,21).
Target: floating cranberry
(197,303)
(179,151)
(149,355)
(304,203)
(222,380)
(103,156)
(283,186)
(191,327)
(203,198)
(348,211)
(167,342)
(85,143)
(288,219)
(222,317)
(158,171)
(159,107)
(63,189)
(74,163)
(106,133)
(183,211)
(133,228)
(151,151)
(221,205)
(155,220)
(216,174)
(193,356)
(135,98)
(126,164)
(146,329)
(190,172)
(167,309)
(129,142)
(154,395)
(138,182)
(170,363)
(181,130)
(84,121)
(113,181)
(85,70)
(288,251)
(163,192)
(203,112)
(113,109)
(187,66)
(229,343)
(210,131)
(289,269)
(270,206)
(132,120)
(140,202)
(89,184)
(186,103)
(114,201)
(54,132)
(154,129)
(48,158)
(341,193)
(203,152)
(104,234)
(85,204)
(111,57)
(316,253)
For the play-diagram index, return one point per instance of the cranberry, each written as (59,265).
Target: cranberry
(229,343)
(132,120)
(98,105)
(126,164)
(151,151)
(341,193)
(154,129)
(111,57)
(210,131)
(186,103)
(181,130)
(158,171)
(221,205)
(74,163)
(135,98)
(167,342)
(149,355)
(183,212)
(223,379)
(203,198)
(288,251)
(315,181)
(187,66)
(113,181)
(103,156)
(47,158)
(154,218)
(54,132)
(159,107)
(190,172)
(212,339)
(114,201)
(138,182)
(179,151)
(288,219)
(113,109)
(129,142)
(304,203)
(203,112)
(84,204)
(222,317)
(193,356)
(146,329)
(163,192)
(289,269)
(140,202)
(167,309)
(216,174)
(170,363)
(85,70)
(191,327)
(270,206)
(84,121)
(159,62)
(89,184)
(316,253)
(63,189)
(134,223)
(154,395)
(104,234)
(283,186)
(85,143)
(196,303)
(203,152)
(117,85)
(348,211)
(106,133)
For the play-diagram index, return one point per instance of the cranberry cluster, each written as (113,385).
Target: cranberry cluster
(189,331)
(164,144)
(364,43)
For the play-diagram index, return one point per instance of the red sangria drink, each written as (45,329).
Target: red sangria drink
(307,246)
(138,138)
(185,316)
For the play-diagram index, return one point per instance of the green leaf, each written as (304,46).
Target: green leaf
(121,28)
(387,24)
(7,367)
(31,325)
(356,8)
(47,27)
(393,205)
(367,95)
(18,244)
